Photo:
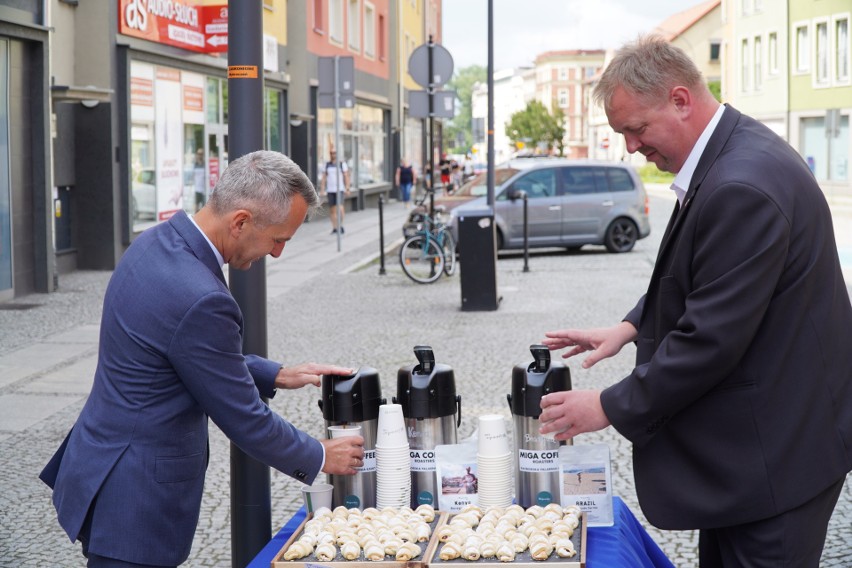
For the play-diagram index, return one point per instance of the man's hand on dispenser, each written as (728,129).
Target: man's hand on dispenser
(343,456)
(306,374)
(572,412)
(602,342)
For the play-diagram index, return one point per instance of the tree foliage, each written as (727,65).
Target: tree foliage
(535,126)
(461,125)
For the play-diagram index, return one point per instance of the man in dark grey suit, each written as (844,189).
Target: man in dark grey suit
(128,480)
(740,405)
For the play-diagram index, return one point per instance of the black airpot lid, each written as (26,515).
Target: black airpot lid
(533,380)
(426,389)
(351,398)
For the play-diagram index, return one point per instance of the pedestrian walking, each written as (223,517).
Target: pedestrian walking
(334,182)
(740,405)
(405,179)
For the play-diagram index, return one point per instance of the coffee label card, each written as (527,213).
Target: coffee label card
(586,481)
(455,466)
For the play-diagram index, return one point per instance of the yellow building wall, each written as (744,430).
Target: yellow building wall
(275,20)
(410,36)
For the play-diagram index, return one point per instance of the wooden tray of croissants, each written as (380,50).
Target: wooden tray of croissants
(421,537)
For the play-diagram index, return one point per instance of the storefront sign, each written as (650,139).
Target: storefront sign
(169,140)
(182,23)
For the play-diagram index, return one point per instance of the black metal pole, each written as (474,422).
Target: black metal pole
(381,234)
(526,233)
(431,97)
(490,127)
(251,517)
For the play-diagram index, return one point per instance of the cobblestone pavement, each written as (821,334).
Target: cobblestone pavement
(341,312)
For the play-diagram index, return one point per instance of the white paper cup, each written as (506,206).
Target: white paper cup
(493,436)
(343,431)
(317,496)
(391,431)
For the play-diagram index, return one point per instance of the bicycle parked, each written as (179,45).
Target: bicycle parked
(429,249)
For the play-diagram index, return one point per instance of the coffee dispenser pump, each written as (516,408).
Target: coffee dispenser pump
(354,400)
(536,456)
(427,393)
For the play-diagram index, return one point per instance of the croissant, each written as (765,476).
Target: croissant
(325,552)
(298,549)
(564,548)
(374,552)
(506,553)
(350,550)
(471,552)
(541,550)
(392,546)
(571,521)
(406,534)
(536,511)
(572,510)
(422,532)
(407,551)
(450,551)
(427,512)
(488,549)
(556,508)
(445,532)
(519,542)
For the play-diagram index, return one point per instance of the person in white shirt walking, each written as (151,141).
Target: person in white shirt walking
(334,175)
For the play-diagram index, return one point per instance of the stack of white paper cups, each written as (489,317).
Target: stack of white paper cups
(393,461)
(494,462)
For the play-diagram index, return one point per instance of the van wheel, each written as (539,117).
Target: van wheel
(621,235)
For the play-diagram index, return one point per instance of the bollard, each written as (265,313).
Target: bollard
(526,233)
(381,235)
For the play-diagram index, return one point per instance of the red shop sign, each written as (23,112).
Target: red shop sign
(182,23)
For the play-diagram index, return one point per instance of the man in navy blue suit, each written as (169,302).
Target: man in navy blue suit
(740,405)
(128,480)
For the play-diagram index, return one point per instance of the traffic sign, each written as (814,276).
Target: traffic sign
(442,65)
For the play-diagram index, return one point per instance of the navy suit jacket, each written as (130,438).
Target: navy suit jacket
(740,405)
(170,356)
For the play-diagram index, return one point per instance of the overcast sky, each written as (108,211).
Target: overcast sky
(525,28)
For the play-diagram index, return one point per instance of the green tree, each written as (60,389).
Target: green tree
(462,83)
(535,125)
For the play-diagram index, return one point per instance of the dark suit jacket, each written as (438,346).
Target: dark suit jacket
(170,356)
(740,406)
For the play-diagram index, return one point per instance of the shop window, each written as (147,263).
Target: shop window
(272,120)
(826,149)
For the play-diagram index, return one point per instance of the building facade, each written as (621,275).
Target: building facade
(114,114)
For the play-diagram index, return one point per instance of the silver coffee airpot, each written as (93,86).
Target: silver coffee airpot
(536,457)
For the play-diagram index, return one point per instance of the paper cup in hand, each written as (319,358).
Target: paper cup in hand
(345,430)
(317,496)
(493,436)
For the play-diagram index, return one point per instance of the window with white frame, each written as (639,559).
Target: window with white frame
(563,73)
(744,65)
(803,49)
(335,21)
(563,98)
(745,7)
(842,48)
(822,53)
(758,63)
(773,53)
(369,30)
(353,24)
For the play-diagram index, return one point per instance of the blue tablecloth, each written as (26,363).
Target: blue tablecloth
(624,544)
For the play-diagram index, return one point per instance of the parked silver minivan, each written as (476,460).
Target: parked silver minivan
(571,203)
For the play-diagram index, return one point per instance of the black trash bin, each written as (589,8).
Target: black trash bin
(478,260)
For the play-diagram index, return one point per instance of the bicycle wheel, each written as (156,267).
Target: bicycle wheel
(448,247)
(421,259)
